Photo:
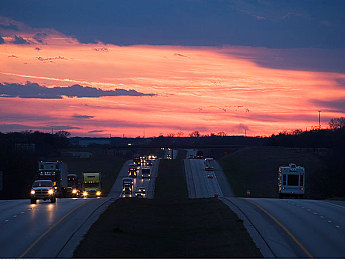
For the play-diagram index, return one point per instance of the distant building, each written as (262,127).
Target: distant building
(90,141)
(76,154)
(25,147)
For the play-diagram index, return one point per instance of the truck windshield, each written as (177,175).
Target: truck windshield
(91,185)
(293,180)
(42,184)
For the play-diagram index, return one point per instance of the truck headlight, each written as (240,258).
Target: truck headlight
(74,191)
(32,192)
(85,193)
(98,193)
(50,192)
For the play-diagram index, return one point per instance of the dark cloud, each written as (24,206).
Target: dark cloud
(19,40)
(269,23)
(9,26)
(83,117)
(335,105)
(39,37)
(21,127)
(295,59)
(96,131)
(51,59)
(34,90)
(2,40)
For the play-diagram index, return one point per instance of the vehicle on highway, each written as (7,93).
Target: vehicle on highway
(42,189)
(291,181)
(145,172)
(210,175)
(91,184)
(56,171)
(136,159)
(132,170)
(169,156)
(141,192)
(209,164)
(126,192)
(73,186)
(199,155)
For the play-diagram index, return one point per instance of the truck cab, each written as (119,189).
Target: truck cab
(145,172)
(91,184)
(42,189)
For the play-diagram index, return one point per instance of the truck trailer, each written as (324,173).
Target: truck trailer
(56,171)
(91,184)
(291,181)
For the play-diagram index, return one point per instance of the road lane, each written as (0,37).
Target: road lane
(198,184)
(294,228)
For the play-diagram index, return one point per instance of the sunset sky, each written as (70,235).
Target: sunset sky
(159,67)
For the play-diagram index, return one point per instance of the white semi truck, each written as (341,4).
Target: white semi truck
(56,171)
(291,181)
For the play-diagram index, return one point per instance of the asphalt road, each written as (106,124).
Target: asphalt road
(199,185)
(53,230)
(281,228)
(290,228)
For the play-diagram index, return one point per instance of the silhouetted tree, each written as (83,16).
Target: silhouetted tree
(336,123)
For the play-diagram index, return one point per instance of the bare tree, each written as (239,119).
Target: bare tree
(194,134)
(336,123)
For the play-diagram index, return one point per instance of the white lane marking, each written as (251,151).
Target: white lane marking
(302,207)
(22,212)
(337,226)
(329,221)
(315,213)
(14,216)
(322,217)
(6,220)
(333,204)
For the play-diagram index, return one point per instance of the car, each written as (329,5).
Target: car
(42,189)
(210,175)
(216,195)
(141,192)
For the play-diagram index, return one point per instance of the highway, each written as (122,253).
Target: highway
(199,185)
(280,228)
(53,230)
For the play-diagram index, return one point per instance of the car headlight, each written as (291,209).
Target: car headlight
(32,192)
(74,191)
(98,193)
(50,192)
(85,193)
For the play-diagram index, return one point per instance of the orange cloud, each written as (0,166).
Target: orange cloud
(198,88)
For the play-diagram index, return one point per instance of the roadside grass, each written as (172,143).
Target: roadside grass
(171,181)
(109,167)
(140,228)
(256,169)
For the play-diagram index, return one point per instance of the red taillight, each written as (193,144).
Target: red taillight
(301,188)
(283,188)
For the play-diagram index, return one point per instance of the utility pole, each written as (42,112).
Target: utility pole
(319,119)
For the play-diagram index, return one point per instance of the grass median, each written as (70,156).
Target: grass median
(169,226)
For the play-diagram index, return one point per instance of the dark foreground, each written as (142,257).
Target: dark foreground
(140,228)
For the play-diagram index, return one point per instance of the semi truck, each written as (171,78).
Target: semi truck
(146,172)
(73,186)
(291,181)
(127,187)
(56,171)
(91,185)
